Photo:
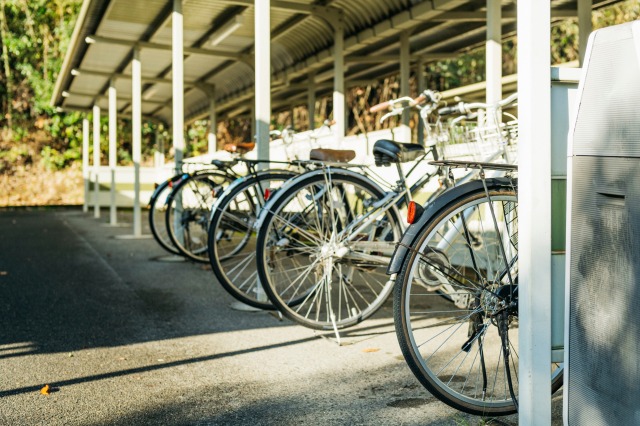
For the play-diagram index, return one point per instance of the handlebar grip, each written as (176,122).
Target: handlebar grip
(420,99)
(458,109)
(380,107)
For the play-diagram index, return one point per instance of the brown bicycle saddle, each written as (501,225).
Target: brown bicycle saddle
(239,147)
(332,155)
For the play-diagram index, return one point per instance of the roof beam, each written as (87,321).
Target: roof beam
(77,108)
(67,94)
(506,15)
(395,58)
(307,9)
(81,71)
(157,46)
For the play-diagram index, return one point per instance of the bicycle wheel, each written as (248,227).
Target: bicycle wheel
(157,212)
(232,237)
(189,210)
(454,291)
(316,266)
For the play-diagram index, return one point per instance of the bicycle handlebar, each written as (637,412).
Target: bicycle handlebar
(467,108)
(458,109)
(390,104)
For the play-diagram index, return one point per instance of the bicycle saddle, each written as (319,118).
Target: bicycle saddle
(239,147)
(332,155)
(386,152)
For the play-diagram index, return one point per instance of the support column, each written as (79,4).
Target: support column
(263,75)
(177,76)
(136,125)
(254,136)
(338,81)
(113,123)
(292,112)
(311,100)
(86,173)
(405,64)
(158,156)
(584,26)
(96,161)
(421,88)
(494,51)
(212,140)
(534,212)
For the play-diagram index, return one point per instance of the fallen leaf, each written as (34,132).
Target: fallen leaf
(370,349)
(46,390)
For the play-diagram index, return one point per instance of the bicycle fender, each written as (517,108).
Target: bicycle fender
(430,210)
(241,180)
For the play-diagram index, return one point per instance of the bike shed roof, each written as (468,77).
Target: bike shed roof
(301,44)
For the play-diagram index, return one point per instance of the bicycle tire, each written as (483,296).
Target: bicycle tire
(157,209)
(231,241)
(189,210)
(446,320)
(362,287)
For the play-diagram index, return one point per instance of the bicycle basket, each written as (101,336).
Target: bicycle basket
(483,143)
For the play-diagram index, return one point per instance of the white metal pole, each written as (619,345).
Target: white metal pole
(113,123)
(212,141)
(177,76)
(534,211)
(494,51)
(136,126)
(338,81)
(421,88)
(96,161)
(584,26)
(254,136)
(86,174)
(263,75)
(405,64)
(311,100)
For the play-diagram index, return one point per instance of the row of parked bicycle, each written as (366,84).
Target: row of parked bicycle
(324,242)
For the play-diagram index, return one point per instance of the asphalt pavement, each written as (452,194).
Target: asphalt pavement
(123,339)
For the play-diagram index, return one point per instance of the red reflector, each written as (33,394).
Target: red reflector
(411,213)
(267,194)
(414,212)
(170,184)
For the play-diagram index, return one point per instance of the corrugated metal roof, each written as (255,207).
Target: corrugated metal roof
(300,43)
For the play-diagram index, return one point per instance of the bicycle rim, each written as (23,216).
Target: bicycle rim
(157,212)
(189,211)
(315,272)
(448,305)
(232,239)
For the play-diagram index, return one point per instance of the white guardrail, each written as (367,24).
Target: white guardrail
(302,143)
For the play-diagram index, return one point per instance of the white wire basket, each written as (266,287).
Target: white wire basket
(491,141)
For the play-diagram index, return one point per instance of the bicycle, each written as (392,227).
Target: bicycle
(158,203)
(326,237)
(188,205)
(232,235)
(456,292)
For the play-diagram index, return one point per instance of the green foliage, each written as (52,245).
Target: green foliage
(56,160)
(35,35)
